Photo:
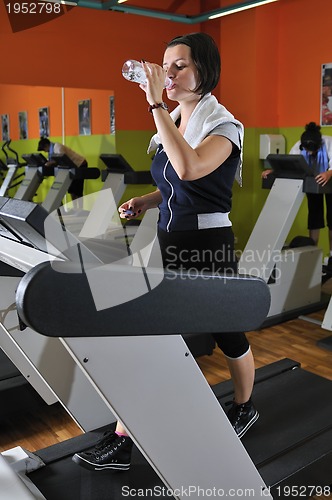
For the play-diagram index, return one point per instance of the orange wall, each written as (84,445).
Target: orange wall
(15,98)
(86,48)
(272,57)
(304,45)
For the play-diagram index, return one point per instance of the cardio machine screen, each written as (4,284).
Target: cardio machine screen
(35,160)
(116,163)
(290,166)
(63,161)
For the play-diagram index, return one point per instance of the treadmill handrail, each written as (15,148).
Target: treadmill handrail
(180,304)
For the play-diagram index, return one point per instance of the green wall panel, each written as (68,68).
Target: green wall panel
(248,200)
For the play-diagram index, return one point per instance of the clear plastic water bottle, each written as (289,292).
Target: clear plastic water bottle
(133,71)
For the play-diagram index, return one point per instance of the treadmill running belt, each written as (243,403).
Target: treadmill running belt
(290,444)
(64,480)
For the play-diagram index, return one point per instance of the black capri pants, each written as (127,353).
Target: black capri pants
(316,218)
(205,250)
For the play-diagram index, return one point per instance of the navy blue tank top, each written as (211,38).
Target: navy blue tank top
(182,200)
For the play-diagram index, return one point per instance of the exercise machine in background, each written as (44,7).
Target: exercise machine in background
(22,222)
(294,274)
(122,174)
(3,169)
(14,175)
(65,172)
(117,175)
(34,175)
(163,398)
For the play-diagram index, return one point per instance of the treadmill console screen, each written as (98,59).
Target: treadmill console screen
(35,160)
(290,166)
(116,163)
(63,161)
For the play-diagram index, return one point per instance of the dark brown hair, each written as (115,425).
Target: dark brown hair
(206,57)
(311,139)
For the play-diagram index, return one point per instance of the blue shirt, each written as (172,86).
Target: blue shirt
(182,201)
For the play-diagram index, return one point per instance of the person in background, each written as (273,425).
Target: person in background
(76,187)
(198,155)
(317,151)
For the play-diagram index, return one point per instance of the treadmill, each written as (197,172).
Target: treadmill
(65,171)
(14,174)
(290,445)
(164,401)
(34,175)
(157,359)
(294,275)
(117,164)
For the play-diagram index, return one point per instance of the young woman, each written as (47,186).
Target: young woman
(317,151)
(198,155)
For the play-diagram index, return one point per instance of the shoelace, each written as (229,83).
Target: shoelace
(108,438)
(102,447)
(237,410)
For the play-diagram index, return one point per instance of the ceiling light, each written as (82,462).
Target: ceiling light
(63,2)
(239,8)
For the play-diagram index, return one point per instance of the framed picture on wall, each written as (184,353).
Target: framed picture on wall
(112,115)
(84,117)
(23,124)
(44,122)
(326,95)
(5,135)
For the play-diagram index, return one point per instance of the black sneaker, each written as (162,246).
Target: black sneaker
(112,452)
(242,416)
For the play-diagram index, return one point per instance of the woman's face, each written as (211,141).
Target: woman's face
(183,73)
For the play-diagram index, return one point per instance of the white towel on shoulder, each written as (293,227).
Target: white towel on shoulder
(207,115)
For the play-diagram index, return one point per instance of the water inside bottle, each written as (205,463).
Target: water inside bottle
(133,71)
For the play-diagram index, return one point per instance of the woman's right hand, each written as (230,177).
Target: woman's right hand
(133,208)
(155,82)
